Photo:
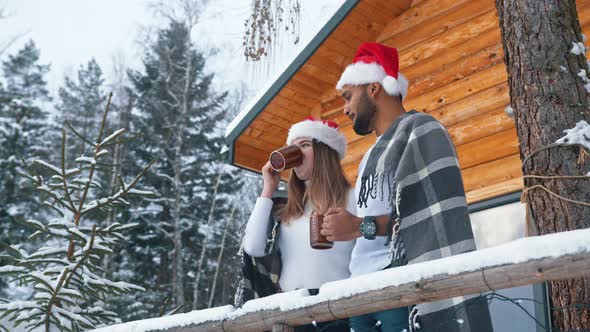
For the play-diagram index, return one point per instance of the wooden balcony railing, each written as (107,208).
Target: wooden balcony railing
(526,261)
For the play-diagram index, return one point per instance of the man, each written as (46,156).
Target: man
(409,191)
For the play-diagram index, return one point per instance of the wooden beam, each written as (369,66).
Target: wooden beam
(339,58)
(480,126)
(451,73)
(250,157)
(461,51)
(286,112)
(308,89)
(435,25)
(269,128)
(253,137)
(336,104)
(365,20)
(419,2)
(358,148)
(484,101)
(447,40)
(339,47)
(488,174)
(329,65)
(393,8)
(494,190)
(347,37)
(416,15)
(319,73)
(358,28)
(458,90)
(338,116)
(487,149)
(277,120)
(379,12)
(572,264)
(583,7)
(349,133)
(296,101)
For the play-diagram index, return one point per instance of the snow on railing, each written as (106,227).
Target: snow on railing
(522,262)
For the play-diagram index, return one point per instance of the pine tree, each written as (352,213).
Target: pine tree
(79,103)
(23,135)
(65,274)
(181,118)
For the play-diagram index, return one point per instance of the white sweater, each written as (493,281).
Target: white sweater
(302,266)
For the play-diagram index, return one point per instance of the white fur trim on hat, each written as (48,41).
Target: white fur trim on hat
(364,73)
(320,131)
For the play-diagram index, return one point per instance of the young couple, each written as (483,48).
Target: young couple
(408,205)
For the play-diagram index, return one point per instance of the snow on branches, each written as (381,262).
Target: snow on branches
(66,276)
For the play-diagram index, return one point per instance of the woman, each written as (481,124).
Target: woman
(283,232)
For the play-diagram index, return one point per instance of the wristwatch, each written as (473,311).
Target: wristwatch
(368,228)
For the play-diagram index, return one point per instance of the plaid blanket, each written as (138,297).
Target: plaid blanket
(259,276)
(416,159)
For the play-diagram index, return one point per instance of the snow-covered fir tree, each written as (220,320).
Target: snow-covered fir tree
(181,119)
(81,101)
(69,292)
(23,136)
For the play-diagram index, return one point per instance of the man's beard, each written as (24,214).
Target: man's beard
(363,118)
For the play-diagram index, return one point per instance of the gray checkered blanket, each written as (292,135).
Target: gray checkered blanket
(416,159)
(259,276)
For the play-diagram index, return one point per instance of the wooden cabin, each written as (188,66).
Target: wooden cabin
(450,51)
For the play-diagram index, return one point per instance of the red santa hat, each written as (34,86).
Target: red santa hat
(372,63)
(325,131)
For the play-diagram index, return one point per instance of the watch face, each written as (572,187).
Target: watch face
(370,228)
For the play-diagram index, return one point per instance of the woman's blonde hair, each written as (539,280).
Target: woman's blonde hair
(328,187)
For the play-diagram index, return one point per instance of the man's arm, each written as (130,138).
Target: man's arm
(341,225)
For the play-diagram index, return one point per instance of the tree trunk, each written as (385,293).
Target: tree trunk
(217,268)
(178,263)
(204,245)
(219,257)
(548,96)
(163,277)
(124,122)
(178,165)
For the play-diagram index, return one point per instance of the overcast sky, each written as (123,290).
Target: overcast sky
(71,32)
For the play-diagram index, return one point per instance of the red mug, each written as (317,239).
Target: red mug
(317,240)
(285,158)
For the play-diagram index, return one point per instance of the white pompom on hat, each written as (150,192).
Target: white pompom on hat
(374,62)
(325,131)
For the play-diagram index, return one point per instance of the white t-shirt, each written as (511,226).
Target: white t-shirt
(302,266)
(370,255)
